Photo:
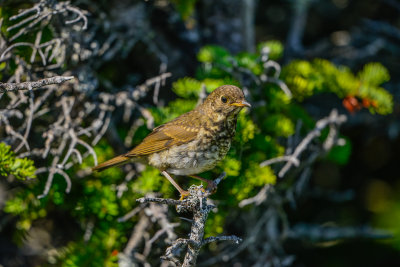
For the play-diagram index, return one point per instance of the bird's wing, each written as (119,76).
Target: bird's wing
(163,137)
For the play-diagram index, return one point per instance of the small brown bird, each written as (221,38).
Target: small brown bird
(192,143)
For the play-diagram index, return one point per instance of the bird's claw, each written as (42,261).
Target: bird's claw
(184,194)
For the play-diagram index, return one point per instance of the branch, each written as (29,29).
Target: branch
(196,203)
(8,87)
(210,239)
(333,119)
(167,201)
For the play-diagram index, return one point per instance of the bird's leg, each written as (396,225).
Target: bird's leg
(211,185)
(183,193)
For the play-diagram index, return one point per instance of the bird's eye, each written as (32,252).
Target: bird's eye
(223,99)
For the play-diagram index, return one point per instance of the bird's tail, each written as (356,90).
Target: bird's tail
(111,163)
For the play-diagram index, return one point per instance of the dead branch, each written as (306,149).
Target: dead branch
(333,119)
(44,11)
(196,203)
(7,87)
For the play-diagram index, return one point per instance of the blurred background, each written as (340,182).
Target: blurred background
(140,63)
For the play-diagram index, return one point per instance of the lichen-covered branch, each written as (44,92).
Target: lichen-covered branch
(196,203)
(7,87)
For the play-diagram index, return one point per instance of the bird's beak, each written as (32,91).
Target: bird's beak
(244,103)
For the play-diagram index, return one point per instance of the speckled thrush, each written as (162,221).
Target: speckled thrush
(192,143)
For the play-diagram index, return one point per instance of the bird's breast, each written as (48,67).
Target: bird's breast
(202,154)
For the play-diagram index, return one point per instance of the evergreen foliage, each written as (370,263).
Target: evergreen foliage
(17,167)
(318,76)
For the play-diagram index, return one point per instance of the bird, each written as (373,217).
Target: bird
(192,143)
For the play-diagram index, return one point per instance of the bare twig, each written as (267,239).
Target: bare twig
(294,160)
(136,235)
(7,87)
(257,199)
(210,239)
(44,11)
(333,119)
(80,16)
(29,120)
(130,214)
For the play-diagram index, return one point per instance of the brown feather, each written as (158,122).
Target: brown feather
(165,136)
(111,163)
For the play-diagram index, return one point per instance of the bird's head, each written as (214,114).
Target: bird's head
(225,101)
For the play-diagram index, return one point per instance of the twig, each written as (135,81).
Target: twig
(210,239)
(29,120)
(333,118)
(80,16)
(281,85)
(7,87)
(136,235)
(292,159)
(220,178)
(130,214)
(257,199)
(167,201)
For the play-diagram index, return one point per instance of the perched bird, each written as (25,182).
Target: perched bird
(193,142)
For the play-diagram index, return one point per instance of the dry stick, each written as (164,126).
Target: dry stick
(8,87)
(333,118)
(78,18)
(22,22)
(27,11)
(130,214)
(16,45)
(37,49)
(257,199)
(160,214)
(54,169)
(29,121)
(26,29)
(221,238)
(102,130)
(136,235)
(292,159)
(42,13)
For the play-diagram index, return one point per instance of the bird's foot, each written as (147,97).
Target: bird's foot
(184,194)
(211,185)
